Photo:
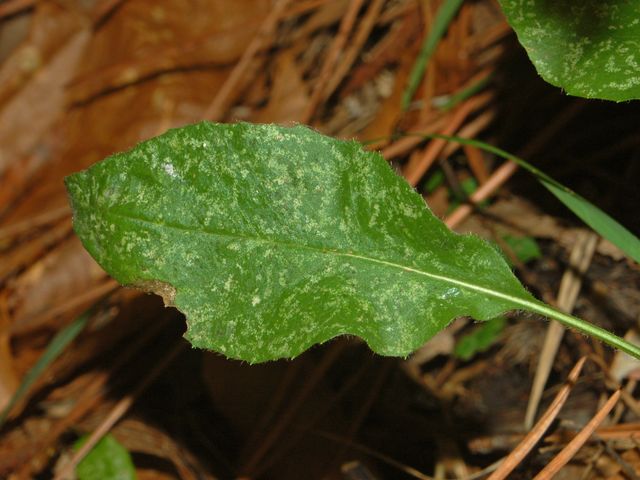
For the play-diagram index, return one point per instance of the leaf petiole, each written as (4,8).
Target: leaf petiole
(588,329)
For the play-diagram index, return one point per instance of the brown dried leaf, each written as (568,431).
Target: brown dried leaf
(8,378)
(327,14)
(289,96)
(56,278)
(29,250)
(33,110)
(51,26)
(143,39)
(15,444)
(404,37)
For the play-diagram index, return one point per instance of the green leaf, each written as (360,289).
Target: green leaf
(525,248)
(589,48)
(468,186)
(480,340)
(273,239)
(434,181)
(108,460)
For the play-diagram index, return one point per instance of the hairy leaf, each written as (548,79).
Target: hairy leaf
(273,239)
(589,48)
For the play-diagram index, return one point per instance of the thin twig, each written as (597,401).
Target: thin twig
(270,410)
(103,10)
(567,453)
(470,130)
(296,403)
(408,470)
(117,413)
(409,141)
(476,163)
(497,179)
(506,170)
(579,261)
(91,395)
(19,228)
(12,7)
(301,7)
(218,106)
(349,57)
(330,60)
(415,169)
(529,441)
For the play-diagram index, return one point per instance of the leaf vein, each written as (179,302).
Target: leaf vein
(331,251)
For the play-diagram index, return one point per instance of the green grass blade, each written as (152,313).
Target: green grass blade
(57,345)
(443,18)
(598,220)
(460,96)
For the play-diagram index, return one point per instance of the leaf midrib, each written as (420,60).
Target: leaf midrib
(524,303)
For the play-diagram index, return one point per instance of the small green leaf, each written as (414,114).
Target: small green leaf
(589,48)
(468,186)
(482,337)
(108,460)
(525,248)
(273,239)
(434,181)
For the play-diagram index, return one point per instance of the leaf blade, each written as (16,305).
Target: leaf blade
(586,48)
(269,243)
